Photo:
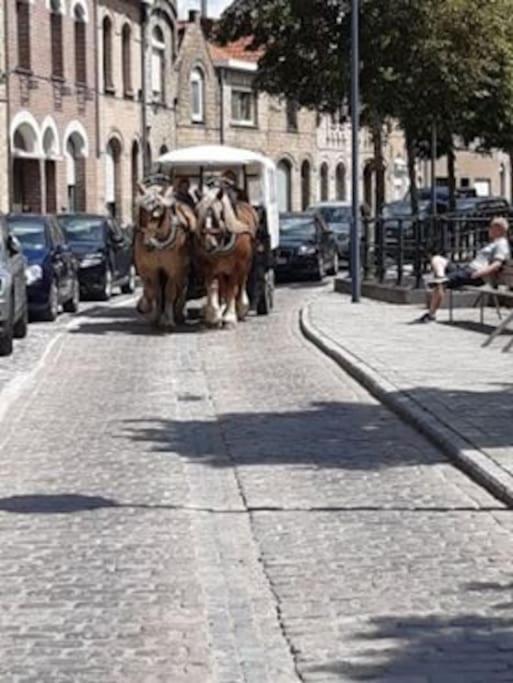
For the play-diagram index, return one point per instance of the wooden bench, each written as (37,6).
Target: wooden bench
(500,289)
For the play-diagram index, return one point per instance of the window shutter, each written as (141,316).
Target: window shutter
(80,52)
(23,10)
(56,43)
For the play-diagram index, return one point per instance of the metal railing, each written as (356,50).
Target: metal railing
(399,248)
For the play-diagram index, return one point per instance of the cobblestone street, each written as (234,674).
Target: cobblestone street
(231,507)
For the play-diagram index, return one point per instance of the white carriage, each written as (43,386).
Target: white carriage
(257,178)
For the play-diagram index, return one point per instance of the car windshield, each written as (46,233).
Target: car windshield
(296,226)
(29,231)
(81,229)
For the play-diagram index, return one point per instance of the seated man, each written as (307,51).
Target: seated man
(183,193)
(488,262)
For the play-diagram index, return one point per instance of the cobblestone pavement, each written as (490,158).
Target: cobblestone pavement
(442,367)
(228,507)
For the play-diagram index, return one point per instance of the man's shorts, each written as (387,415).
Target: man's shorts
(460,276)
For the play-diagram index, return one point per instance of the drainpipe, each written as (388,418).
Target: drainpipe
(96,28)
(146,7)
(10,169)
(221,113)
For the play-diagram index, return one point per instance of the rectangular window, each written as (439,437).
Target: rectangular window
(23,30)
(56,43)
(292,110)
(197,101)
(243,107)
(156,74)
(80,52)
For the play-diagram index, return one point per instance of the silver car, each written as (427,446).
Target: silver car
(13,291)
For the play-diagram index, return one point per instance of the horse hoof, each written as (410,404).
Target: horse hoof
(143,307)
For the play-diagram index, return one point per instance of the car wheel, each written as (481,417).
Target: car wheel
(266,302)
(20,327)
(334,268)
(6,338)
(51,311)
(129,287)
(72,305)
(321,270)
(106,293)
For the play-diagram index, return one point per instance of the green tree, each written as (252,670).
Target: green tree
(422,61)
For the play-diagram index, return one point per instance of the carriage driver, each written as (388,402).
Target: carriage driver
(229,183)
(183,193)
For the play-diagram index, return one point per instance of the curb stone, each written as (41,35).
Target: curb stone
(463,453)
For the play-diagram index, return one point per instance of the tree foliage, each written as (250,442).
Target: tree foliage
(449,61)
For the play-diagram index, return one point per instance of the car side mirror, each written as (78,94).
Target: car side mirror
(13,245)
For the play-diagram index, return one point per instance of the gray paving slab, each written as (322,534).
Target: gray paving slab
(437,376)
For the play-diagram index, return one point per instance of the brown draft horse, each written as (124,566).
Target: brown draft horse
(223,250)
(162,254)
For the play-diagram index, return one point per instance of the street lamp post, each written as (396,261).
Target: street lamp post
(355,122)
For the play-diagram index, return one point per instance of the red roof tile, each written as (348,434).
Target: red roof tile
(237,50)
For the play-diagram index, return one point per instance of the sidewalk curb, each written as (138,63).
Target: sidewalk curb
(464,454)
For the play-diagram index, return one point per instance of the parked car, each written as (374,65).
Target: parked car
(338,217)
(307,247)
(104,251)
(13,291)
(51,272)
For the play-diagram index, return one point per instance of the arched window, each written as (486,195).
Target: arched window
(341,182)
(113,178)
(305,185)
(76,172)
(284,185)
(80,45)
(26,168)
(56,38)
(197,96)
(158,64)
(51,152)
(126,47)
(108,82)
(324,182)
(23,33)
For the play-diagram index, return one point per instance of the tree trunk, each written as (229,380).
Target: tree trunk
(451,173)
(510,154)
(412,173)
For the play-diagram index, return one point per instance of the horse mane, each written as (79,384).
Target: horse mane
(187,215)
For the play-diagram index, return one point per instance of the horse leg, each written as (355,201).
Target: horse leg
(213,315)
(148,303)
(167,320)
(182,282)
(242,298)
(230,314)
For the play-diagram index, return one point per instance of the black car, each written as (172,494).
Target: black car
(13,293)
(307,247)
(104,251)
(51,272)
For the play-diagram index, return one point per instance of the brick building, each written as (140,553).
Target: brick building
(51,108)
